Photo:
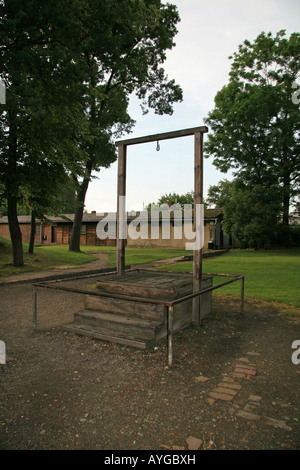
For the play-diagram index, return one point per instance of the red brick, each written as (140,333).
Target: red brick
(277,423)
(201,378)
(210,401)
(220,396)
(245,371)
(227,391)
(246,415)
(232,385)
(237,375)
(251,407)
(255,398)
(243,359)
(245,366)
(227,379)
(194,443)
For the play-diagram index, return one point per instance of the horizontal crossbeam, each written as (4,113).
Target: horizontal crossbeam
(163,136)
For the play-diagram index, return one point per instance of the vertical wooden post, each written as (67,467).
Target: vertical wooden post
(198,199)
(170,335)
(121,223)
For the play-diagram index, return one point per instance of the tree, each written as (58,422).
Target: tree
(43,196)
(97,145)
(255,123)
(250,214)
(174,198)
(81,60)
(121,55)
(39,78)
(218,195)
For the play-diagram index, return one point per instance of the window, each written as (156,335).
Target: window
(83,229)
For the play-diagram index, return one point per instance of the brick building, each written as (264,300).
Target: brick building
(58,231)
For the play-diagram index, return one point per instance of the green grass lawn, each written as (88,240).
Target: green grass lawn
(147,255)
(272,276)
(132,255)
(44,257)
(47,257)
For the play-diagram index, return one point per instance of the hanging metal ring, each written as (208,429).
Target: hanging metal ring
(157,146)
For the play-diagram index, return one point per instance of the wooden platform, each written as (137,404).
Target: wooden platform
(130,321)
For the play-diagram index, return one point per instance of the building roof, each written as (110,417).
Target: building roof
(94,217)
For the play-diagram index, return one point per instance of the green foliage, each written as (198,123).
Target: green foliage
(250,212)
(175,199)
(251,215)
(255,123)
(69,69)
(219,194)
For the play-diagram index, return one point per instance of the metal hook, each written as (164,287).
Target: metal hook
(157,146)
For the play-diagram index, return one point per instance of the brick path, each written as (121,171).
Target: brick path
(226,390)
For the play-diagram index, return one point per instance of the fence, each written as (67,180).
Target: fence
(54,284)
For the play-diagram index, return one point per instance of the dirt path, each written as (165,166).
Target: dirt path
(62,391)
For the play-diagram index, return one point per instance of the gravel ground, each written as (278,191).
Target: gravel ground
(62,391)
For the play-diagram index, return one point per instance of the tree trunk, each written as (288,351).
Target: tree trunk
(75,237)
(11,191)
(15,232)
(32,233)
(286,211)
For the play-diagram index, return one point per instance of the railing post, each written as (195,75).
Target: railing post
(121,210)
(242,294)
(170,335)
(35,308)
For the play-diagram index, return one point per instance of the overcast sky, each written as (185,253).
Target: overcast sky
(209,32)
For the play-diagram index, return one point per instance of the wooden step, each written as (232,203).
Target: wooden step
(117,336)
(131,322)
(114,324)
(85,330)
(162,286)
(126,307)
